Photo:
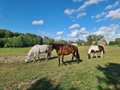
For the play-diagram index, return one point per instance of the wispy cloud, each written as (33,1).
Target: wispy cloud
(81,8)
(38,22)
(88,3)
(113,6)
(74,26)
(59,33)
(69,11)
(81,14)
(44,33)
(77,0)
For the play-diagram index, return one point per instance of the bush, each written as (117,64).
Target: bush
(112,43)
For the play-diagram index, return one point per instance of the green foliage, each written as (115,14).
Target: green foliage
(10,39)
(5,33)
(61,42)
(117,41)
(94,38)
(48,40)
(112,43)
(80,42)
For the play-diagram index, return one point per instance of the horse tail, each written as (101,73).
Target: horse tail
(77,54)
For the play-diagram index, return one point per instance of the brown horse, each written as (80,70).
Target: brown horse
(62,50)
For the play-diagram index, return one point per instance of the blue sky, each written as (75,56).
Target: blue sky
(62,19)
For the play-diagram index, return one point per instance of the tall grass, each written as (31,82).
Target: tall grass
(94,74)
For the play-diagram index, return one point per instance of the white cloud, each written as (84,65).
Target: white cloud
(88,3)
(109,7)
(74,34)
(81,34)
(82,7)
(69,11)
(44,33)
(59,33)
(74,26)
(99,20)
(114,14)
(83,31)
(114,5)
(109,32)
(38,22)
(81,14)
(99,17)
(77,0)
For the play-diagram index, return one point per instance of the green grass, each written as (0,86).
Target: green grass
(94,74)
(13,51)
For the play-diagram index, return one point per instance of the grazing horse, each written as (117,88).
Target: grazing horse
(95,50)
(62,50)
(36,49)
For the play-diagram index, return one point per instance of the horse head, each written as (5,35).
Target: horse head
(88,56)
(27,58)
(50,48)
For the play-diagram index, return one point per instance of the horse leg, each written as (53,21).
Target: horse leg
(91,55)
(46,56)
(73,56)
(38,57)
(58,60)
(34,57)
(101,54)
(63,60)
(96,55)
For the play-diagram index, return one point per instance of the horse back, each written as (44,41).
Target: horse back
(69,49)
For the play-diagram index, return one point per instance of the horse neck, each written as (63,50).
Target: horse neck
(89,51)
(30,52)
(57,46)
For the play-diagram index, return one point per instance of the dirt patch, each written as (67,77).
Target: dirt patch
(16,59)
(12,59)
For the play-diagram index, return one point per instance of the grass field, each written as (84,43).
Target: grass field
(94,74)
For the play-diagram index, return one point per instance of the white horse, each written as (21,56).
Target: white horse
(36,49)
(95,50)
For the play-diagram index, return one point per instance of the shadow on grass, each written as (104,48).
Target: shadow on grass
(44,59)
(97,57)
(73,61)
(111,81)
(46,84)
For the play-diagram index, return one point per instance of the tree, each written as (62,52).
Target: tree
(117,41)
(94,38)
(80,42)
(61,42)
(48,40)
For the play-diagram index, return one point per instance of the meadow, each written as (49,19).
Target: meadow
(93,74)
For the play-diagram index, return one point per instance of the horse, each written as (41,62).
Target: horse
(95,50)
(62,50)
(36,49)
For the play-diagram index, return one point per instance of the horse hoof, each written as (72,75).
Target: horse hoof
(65,64)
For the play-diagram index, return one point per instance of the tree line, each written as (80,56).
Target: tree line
(16,39)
